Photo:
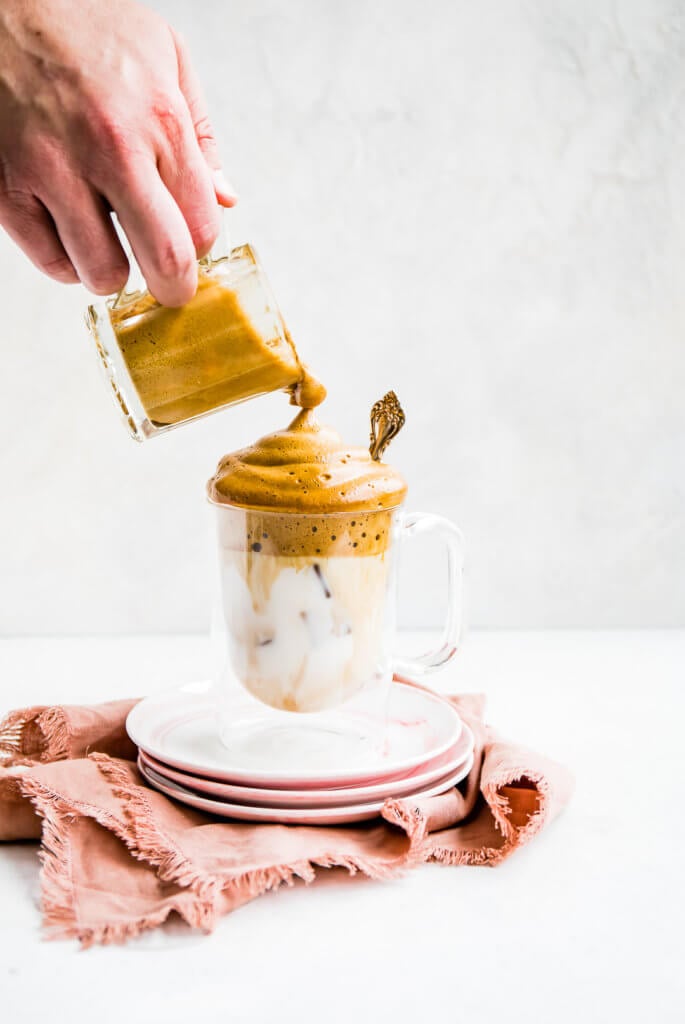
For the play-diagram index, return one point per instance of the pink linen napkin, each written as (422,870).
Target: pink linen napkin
(118,857)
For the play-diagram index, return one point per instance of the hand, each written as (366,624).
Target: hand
(100,110)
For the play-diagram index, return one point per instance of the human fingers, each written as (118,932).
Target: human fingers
(88,236)
(193,93)
(29,224)
(187,176)
(157,232)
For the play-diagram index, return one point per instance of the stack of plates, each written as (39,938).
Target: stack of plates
(427,750)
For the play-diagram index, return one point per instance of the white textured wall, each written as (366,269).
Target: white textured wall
(480,205)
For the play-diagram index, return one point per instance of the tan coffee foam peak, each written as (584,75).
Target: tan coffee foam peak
(306,468)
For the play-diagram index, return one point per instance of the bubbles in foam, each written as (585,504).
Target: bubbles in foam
(306,468)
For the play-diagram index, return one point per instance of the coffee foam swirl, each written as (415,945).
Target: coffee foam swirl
(306,468)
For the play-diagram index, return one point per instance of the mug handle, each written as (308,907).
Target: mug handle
(426,522)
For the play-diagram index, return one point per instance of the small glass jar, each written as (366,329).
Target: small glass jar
(168,366)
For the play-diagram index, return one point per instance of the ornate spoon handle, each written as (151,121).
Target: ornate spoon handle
(387,419)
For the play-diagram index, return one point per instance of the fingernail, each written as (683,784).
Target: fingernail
(223,187)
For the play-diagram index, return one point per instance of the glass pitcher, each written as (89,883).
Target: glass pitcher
(229,343)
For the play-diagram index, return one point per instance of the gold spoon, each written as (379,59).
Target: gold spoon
(387,419)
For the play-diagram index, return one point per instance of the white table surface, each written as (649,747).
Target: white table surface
(584,924)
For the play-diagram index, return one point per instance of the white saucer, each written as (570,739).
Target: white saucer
(440,768)
(291,816)
(180,729)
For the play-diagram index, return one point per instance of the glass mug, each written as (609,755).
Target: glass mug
(304,626)
(168,366)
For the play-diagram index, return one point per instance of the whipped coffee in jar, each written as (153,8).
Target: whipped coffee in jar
(229,343)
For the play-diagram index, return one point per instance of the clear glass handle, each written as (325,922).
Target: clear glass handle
(422,523)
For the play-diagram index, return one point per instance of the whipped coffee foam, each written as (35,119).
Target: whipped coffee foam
(306,468)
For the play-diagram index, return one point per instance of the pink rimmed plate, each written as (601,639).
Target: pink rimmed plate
(441,768)
(180,729)
(292,815)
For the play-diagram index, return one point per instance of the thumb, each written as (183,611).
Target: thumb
(190,86)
